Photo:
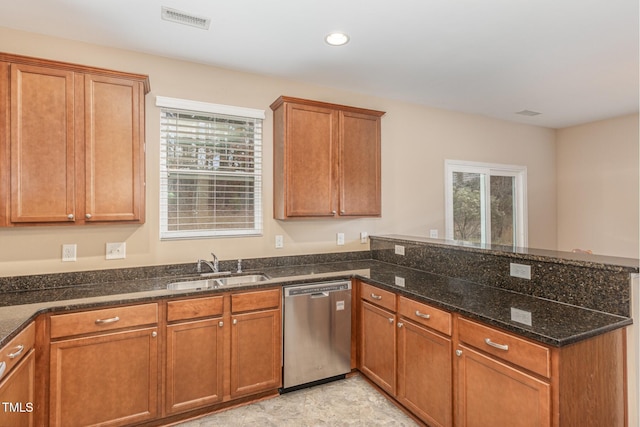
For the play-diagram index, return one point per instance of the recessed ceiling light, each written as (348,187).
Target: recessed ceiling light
(337,39)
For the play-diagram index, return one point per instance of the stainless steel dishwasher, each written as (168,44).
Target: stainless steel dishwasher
(317,333)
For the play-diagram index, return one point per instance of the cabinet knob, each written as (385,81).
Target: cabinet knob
(390,319)
(88,216)
(154,334)
(458,353)
(221,323)
(70,216)
(400,324)
(333,212)
(235,321)
(342,211)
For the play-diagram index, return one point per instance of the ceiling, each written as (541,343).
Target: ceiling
(574,61)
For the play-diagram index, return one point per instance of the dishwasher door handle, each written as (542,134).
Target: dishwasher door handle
(320,295)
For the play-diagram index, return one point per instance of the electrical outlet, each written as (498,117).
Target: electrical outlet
(116,250)
(69,252)
(340,239)
(364,237)
(521,316)
(399,281)
(279,241)
(433,233)
(399,250)
(520,270)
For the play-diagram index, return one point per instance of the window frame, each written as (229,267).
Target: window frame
(489,169)
(167,103)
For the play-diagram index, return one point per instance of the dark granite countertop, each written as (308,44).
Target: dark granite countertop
(552,323)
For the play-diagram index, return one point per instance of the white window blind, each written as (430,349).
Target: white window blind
(211,170)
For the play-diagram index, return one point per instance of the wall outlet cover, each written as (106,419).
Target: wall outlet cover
(69,252)
(116,250)
(340,239)
(279,241)
(520,270)
(399,250)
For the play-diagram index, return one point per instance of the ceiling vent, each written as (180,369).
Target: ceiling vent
(528,113)
(185,18)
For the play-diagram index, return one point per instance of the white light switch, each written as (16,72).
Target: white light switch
(279,241)
(116,250)
(340,239)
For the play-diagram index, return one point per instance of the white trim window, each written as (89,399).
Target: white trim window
(210,170)
(486,203)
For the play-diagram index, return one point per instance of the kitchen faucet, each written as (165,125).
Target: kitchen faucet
(213,266)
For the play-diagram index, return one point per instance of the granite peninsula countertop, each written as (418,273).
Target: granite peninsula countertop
(553,323)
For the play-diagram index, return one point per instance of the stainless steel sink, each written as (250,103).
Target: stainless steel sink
(221,282)
(193,285)
(242,280)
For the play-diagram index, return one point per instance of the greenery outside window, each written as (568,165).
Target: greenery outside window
(486,203)
(210,170)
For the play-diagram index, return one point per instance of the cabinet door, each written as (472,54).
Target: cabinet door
(42,145)
(311,155)
(424,373)
(195,363)
(109,379)
(114,149)
(378,346)
(359,165)
(255,352)
(17,394)
(491,393)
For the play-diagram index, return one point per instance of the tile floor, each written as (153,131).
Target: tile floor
(349,402)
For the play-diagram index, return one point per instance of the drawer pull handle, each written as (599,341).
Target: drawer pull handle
(503,347)
(3,367)
(18,352)
(423,315)
(106,321)
(374,296)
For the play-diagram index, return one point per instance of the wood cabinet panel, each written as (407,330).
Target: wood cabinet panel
(114,149)
(256,352)
(378,346)
(326,160)
(378,296)
(42,144)
(491,393)
(195,308)
(426,315)
(195,364)
(17,348)
(311,160)
(109,379)
(255,300)
(17,390)
(527,354)
(360,173)
(74,142)
(425,373)
(107,319)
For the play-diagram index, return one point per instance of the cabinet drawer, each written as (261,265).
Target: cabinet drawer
(258,300)
(526,354)
(426,315)
(16,349)
(378,296)
(195,308)
(86,322)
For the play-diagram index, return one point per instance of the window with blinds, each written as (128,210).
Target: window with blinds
(211,170)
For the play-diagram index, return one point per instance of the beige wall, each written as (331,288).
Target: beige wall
(415,142)
(597,170)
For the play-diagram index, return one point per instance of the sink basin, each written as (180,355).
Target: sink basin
(242,280)
(193,285)
(222,282)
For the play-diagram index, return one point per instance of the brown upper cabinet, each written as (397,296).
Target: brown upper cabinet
(73,147)
(326,160)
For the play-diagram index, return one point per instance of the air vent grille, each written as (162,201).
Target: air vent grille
(528,113)
(185,18)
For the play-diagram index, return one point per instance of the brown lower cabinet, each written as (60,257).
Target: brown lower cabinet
(404,353)
(103,366)
(17,391)
(494,377)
